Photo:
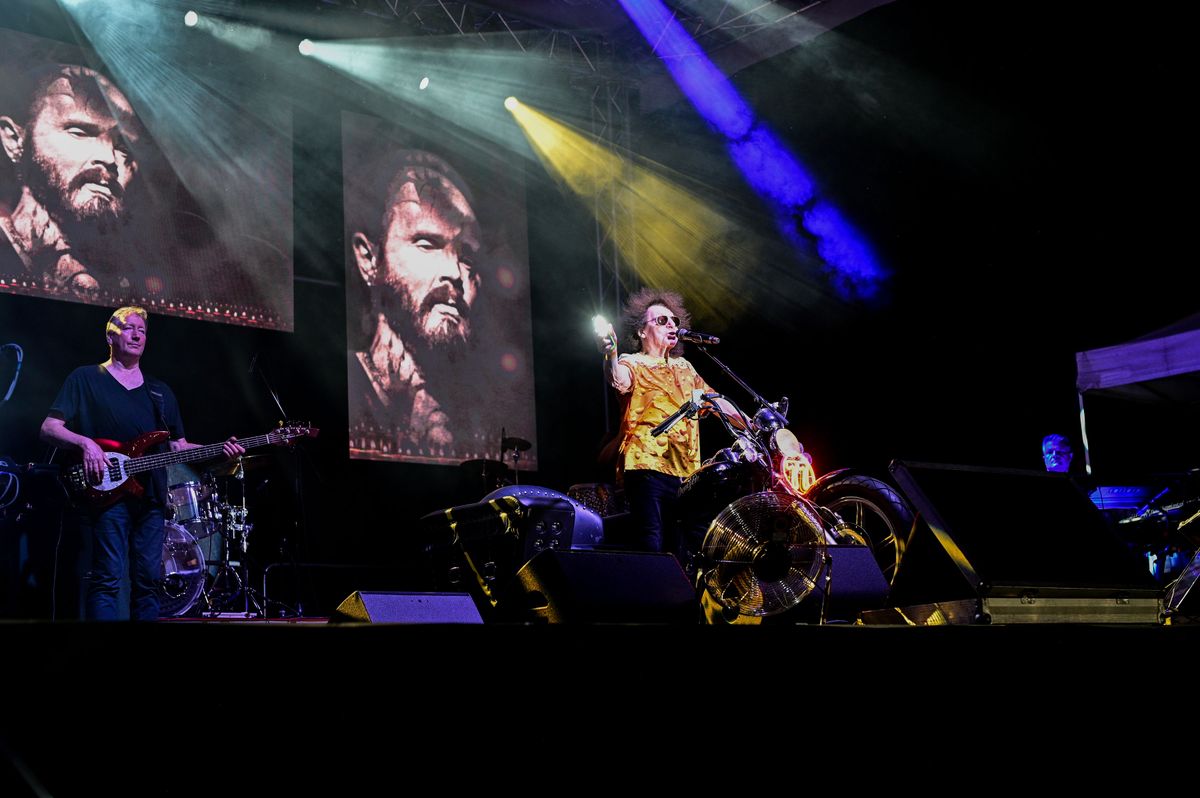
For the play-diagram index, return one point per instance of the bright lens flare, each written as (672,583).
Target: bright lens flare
(601,325)
(306,47)
(191,18)
(424,84)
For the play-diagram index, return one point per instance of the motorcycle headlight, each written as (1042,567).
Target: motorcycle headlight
(794,464)
(786,443)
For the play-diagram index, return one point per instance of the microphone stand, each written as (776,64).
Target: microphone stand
(762,403)
(298,491)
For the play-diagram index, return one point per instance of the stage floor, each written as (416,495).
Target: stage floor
(300,703)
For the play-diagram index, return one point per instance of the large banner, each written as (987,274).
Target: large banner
(437,289)
(119,187)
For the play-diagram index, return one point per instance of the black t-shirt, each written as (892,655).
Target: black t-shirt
(95,405)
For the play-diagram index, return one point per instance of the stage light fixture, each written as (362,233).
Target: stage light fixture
(191,18)
(424,84)
(511,103)
(306,47)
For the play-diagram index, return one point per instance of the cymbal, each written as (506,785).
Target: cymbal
(485,468)
(249,463)
(516,444)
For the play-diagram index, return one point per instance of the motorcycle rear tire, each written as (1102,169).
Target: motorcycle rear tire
(874,509)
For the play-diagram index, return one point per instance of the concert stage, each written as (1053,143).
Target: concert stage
(407,226)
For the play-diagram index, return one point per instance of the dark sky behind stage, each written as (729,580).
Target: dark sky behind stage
(1021,176)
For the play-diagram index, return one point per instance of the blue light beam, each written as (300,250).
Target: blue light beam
(807,221)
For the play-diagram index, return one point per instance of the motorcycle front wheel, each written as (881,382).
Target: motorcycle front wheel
(873,509)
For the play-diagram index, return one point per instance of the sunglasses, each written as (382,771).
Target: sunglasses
(661,321)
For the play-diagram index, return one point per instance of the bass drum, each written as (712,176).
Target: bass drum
(183,571)
(873,509)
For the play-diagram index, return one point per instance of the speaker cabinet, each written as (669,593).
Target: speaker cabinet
(856,583)
(368,607)
(1008,532)
(582,586)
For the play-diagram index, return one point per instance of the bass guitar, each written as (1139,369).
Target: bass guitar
(123,460)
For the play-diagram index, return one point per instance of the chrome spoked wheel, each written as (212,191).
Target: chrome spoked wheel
(874,511)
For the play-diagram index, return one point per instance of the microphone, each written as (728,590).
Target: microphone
(696,337)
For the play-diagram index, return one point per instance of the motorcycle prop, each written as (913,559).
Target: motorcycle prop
(769,518)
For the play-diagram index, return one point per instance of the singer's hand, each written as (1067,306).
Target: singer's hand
(608,343)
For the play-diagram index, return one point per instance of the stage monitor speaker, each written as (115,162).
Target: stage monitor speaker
(856,584)
(993,531)
(585,586)
(436,608)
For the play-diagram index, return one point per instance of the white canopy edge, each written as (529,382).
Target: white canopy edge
(1137,361)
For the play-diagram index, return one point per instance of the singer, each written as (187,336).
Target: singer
(654,382)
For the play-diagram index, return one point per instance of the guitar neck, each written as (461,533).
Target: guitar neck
(208,452)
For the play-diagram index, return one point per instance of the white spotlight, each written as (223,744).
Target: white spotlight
(306,47)
(511,103)
(424,84)
(191,18)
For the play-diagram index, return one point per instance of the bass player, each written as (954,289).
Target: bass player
(116,401)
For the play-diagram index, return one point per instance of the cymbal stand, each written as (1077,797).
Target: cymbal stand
(232,578)
(516,456)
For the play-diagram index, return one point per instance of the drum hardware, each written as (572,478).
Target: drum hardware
(247,462)
(516,446)
(231,580)
(485,474)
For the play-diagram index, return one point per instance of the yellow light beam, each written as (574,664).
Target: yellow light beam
(667,233)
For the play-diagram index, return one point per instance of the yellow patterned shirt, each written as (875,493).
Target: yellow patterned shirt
(660,387)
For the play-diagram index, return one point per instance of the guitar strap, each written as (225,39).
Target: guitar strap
(156,399)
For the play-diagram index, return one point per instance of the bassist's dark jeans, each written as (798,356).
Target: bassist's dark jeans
(128,534)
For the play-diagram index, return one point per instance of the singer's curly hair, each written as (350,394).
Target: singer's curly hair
(635,311)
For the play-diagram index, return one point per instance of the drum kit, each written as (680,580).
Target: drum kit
(486,475)
(205,543)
